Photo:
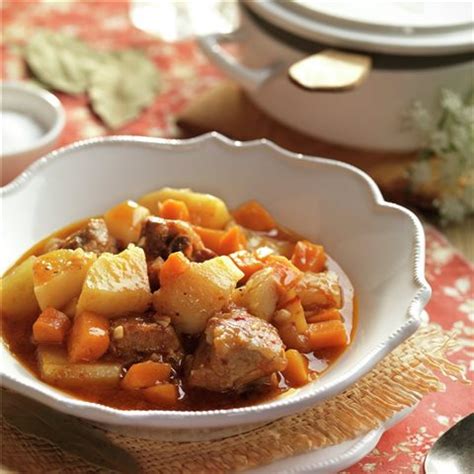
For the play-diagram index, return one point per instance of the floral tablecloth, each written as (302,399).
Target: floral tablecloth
(185,74)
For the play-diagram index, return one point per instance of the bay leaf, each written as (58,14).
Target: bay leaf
(124,84)
(67,432)
(62,62)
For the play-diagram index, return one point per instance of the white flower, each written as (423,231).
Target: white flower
(439,141)
(451,208)
(450,141)
(451,102)
(466,117)
(461,139)
(420,117)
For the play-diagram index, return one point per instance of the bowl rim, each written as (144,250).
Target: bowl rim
(49,100)
(266,411)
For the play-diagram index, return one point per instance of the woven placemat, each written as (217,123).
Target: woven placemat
(397,382)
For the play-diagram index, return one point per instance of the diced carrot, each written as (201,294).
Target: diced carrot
(51,327)
(246,262)
(176,264)
(254,216)
(297,318)
(309,257)
(146,374)
(296,372)
(211,238)
(325,315)
(89,338)
(327,334)
(165,394)
(232,241)
(173,209)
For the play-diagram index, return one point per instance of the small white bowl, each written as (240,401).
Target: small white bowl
(380,246)
(46,110)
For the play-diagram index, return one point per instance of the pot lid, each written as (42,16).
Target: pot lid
(410,28)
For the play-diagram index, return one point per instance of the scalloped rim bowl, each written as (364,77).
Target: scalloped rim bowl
(380,246)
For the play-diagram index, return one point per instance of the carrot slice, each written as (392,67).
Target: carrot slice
(246,262)
(296,372)
(163,394)
(51,327)
(211,238)
(146,374)
(89,338)
(254,216)
(232,241)
(173,209)
(309,257)
(176,264)
(326,315)
(327,334)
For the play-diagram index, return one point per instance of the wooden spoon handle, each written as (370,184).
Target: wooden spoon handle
(330,70)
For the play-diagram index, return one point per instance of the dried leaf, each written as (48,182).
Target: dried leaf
(66,432)
(62,62)
(122,86)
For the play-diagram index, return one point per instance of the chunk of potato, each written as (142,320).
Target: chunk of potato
(58,276)
(319,290)
(199,292)
(56,369)
(204,209)
(125,221)
(116,284)
(260,294)
(17,297)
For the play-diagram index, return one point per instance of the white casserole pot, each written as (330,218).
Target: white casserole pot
(415,49)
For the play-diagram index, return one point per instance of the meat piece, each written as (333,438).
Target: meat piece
(93,237)
(138,337)
(160,237)
(202,255)
(235,350)
(319,290)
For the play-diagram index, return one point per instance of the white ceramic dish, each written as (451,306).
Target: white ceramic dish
(380,245)
(335,458)
(41,106)
(407,65)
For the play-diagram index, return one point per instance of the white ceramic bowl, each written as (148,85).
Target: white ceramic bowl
(380,246)
(44,108)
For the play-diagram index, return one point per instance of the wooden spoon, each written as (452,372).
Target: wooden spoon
(330,70)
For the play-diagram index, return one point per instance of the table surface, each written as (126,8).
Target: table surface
(187,74)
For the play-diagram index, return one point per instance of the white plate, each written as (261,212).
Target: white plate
(334,458)
(379,245)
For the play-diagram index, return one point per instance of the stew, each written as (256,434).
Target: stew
(173,302)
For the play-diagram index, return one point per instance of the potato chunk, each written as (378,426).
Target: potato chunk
(58,276)
(17,297)
(116,284)
(260,294)
(320,290)
(56,369)
(196,294)
(204,209)
(125,221)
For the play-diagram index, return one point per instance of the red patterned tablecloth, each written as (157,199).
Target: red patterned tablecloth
(185,74)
